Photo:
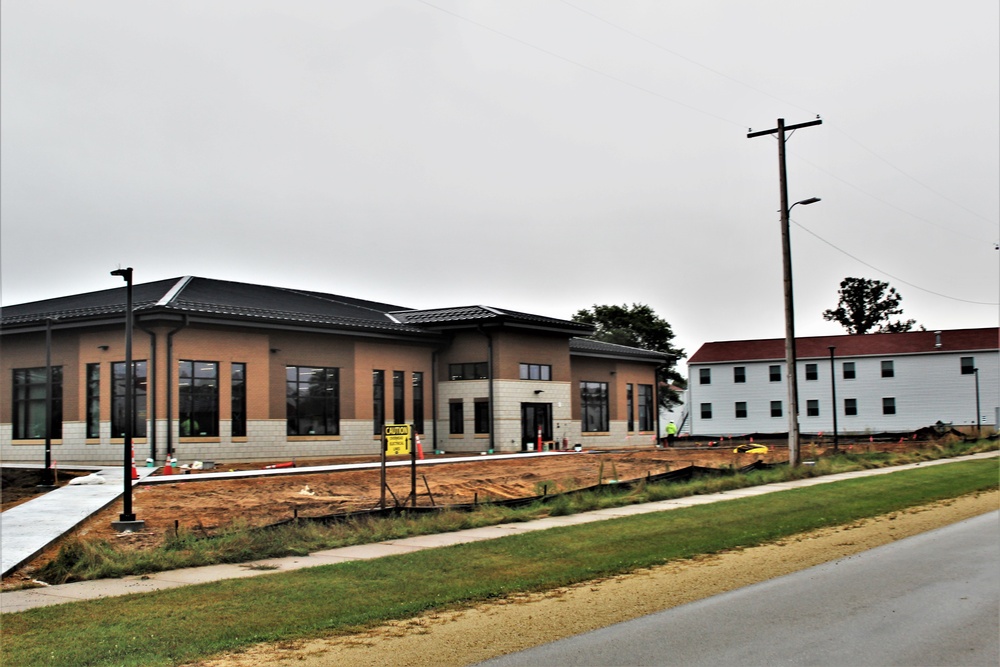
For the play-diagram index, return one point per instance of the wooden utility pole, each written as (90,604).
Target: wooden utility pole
(786,262)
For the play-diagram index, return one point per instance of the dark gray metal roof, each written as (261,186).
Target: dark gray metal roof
(470,315)
(597,348)
(214,298)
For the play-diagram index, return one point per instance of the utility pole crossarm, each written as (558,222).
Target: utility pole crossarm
(761,133)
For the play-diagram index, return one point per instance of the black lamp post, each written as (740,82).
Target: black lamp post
(979,414)
(126,520)
(833,394)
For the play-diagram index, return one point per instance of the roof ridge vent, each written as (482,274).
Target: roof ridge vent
(937,340)
(174,291)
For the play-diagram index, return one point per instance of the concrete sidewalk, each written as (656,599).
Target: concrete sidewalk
(37,597)
(28,528)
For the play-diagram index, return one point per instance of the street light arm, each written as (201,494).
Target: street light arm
(804,202)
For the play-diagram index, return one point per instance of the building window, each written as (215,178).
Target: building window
(706,410)
(889,406)
(471,371)
(812,408)
(536,372)
(646,407)
(398,398)
(630,406)
(456,418)
(418,401)
(849,372)
(313,400)
(968,365)
(481,415)
(887,369)
(851,407)
(594,407)
(739,374)
(198,398)
(93,400)
(29,403)
(378,402)
(705,375)
(118,399)
(776,410)
(774,373)
(238,405)
(812,372)
(741,409)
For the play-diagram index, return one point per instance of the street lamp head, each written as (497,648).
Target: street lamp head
(124,273)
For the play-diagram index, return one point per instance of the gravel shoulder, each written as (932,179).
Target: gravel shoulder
(469,635)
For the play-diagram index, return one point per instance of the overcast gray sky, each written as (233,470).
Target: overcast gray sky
(541,155)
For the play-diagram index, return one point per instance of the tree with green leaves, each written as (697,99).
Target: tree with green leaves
(867,306)
(638,326)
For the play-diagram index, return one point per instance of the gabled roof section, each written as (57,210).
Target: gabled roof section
(214,299)
(589,347)
(468,316)
(911,342)
(84,306)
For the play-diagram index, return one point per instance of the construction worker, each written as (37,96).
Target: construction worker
(671,433)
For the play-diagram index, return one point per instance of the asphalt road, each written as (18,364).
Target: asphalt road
(932,599)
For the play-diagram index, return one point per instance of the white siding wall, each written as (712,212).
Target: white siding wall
(926,388)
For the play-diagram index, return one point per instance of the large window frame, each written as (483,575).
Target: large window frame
(481,416)
(850,370)
(93,409)
(29,396)
(456,417)
(238,401)
(646,420)
(594,407)
(539,372)
(888,368)
(139,382)
(378,401)
(312,400)
(850,407)
(473,370)
(740,409)
(774,373)
(967,365)
(198,398)
(417,390)
(812,372)
(739,374)
(888,405)
(398,397)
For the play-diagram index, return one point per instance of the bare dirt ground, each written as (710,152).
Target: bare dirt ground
(470,635)
(211,505)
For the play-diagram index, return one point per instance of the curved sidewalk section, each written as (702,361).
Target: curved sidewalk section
(13,601)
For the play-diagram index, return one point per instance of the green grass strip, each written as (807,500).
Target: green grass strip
(185,624)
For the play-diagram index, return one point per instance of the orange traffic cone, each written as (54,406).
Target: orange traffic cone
(420,449)
(135,473)
(168,469)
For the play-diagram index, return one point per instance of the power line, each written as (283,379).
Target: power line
(872,266)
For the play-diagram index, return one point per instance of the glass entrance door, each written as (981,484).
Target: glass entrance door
(533,416)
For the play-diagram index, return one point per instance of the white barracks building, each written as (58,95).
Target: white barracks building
(882,382)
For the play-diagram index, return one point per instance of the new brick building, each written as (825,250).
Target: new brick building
(234,371)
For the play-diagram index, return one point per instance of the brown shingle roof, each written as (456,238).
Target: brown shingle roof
(911,342)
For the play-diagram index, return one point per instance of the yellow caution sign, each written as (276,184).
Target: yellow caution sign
(398,439)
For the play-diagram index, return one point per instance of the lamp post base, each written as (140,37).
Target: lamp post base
(128,524)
